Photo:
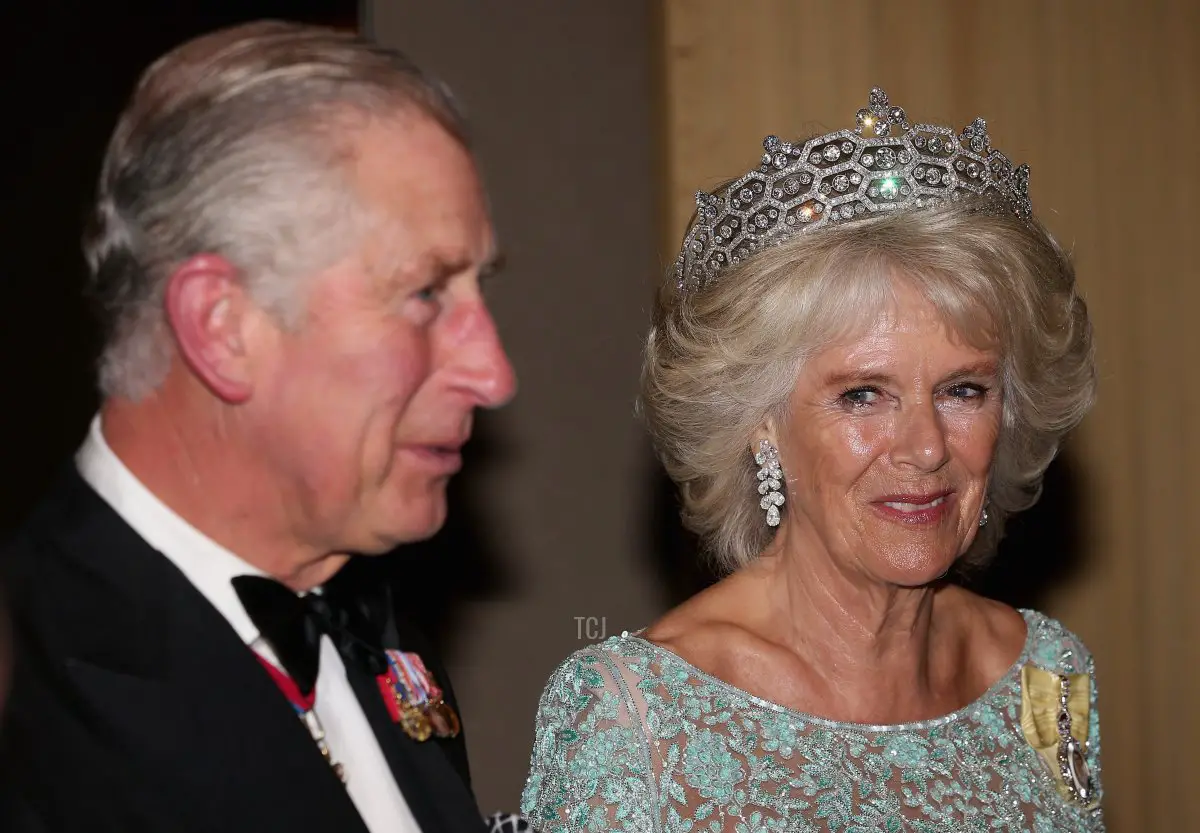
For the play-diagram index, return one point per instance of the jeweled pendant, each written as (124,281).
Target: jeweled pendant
(1073,766)
(1072,763)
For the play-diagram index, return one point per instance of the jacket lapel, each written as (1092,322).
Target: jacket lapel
(437,796)
(185,704)
(434,788)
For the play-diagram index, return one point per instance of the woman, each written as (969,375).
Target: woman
(865,361)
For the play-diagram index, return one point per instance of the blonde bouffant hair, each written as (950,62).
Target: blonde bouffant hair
(721,360)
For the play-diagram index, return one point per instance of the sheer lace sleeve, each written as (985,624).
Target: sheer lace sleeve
(589,770)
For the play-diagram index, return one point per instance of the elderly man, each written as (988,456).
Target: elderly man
(287,248)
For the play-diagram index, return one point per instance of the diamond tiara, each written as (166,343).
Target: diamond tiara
(883,164)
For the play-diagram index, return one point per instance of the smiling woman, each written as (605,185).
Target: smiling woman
(724,362)
(865,360)
(890,435)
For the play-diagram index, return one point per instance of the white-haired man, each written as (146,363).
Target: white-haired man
(287,248)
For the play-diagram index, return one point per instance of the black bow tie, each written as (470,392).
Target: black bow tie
(295,624)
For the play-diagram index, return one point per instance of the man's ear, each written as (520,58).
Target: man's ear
(209,313)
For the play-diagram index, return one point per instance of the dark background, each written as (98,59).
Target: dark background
(68,69)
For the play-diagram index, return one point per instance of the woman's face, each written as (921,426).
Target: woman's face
(887,446)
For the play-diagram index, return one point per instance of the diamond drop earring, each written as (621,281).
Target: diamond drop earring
(770,477)
(983,517)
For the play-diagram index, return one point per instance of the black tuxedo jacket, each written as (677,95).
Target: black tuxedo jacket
(136,708)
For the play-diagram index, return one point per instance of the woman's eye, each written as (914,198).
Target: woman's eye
(857,397)
(967,391)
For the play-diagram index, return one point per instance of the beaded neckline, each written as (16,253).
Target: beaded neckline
(1009,677)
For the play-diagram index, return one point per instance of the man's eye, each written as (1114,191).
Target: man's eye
(428,294)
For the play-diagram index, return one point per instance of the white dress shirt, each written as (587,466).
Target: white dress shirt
(210,568)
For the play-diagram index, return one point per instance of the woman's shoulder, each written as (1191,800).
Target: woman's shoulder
(612,665)
(1004,632)
(1052,646)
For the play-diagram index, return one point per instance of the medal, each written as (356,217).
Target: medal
(415,723)
(414,700)
(313,724)
(444,719)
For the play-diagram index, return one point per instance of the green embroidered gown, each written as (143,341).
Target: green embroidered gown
(630,737)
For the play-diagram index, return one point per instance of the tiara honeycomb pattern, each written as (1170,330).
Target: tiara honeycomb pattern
(883,164)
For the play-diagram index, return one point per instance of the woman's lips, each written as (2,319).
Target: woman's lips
(915,509)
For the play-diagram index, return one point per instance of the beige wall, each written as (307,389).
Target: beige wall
(560,97)
(1100,98)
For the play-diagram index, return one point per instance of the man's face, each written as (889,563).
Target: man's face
(362,410)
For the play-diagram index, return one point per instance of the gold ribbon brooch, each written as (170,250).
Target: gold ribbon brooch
(1054,718)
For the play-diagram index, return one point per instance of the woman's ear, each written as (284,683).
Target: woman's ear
(768,431)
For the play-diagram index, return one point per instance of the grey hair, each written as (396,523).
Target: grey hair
(720,361)
(235,144)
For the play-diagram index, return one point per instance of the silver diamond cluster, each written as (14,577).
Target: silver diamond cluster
(883,164)
(770,481)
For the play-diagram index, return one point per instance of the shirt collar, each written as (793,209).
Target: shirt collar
(206,564)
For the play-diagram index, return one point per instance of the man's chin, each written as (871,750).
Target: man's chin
(408,527)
